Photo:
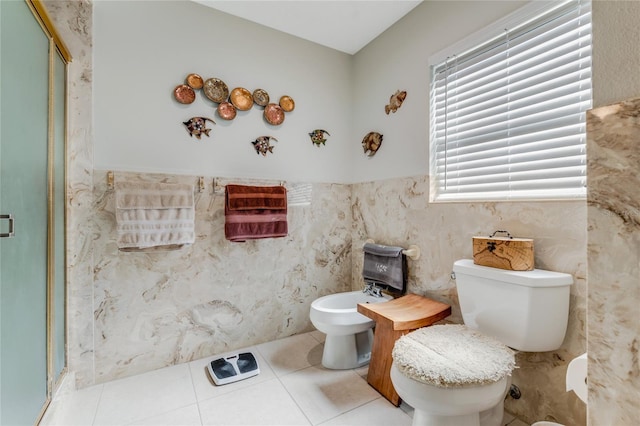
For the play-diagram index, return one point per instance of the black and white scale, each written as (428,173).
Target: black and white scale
(234,367)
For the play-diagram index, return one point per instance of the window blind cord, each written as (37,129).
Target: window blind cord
(446,116)
(507,41)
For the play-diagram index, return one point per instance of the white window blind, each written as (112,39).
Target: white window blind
(508,116)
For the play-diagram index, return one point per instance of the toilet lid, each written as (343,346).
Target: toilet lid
(452,356)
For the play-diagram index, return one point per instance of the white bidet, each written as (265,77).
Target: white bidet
(349,333)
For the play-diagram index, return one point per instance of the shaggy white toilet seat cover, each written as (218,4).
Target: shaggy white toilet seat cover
(452,356)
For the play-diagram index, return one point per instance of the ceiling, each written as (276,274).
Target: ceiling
(344,25)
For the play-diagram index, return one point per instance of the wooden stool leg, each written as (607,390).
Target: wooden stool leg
(379,368)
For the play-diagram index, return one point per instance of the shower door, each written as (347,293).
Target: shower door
(29,155)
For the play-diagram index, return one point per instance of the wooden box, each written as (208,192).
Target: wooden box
(515,254)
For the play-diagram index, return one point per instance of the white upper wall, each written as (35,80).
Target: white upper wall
(616,56)
(398,60)
(142,50)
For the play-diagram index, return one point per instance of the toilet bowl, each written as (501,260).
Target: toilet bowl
(474,405)
(460,374)
(348,333)
(452,375)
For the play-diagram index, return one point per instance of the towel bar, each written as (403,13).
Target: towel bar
(220,183)
(111,182)
(413,252)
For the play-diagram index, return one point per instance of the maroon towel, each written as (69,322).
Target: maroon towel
(242,197)
(253,212)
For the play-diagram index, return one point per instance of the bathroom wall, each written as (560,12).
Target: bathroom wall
(164,308)
(392,210)
(397,212)
(392,207)
(144,49)
(398,60)
(616,35)
(614,263)
(614,236)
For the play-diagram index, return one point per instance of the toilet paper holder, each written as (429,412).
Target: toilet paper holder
(576,378)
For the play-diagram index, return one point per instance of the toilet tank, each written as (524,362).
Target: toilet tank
(526,310)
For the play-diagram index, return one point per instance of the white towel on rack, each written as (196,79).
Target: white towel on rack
(154,214)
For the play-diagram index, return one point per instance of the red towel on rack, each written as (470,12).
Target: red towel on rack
(253,212)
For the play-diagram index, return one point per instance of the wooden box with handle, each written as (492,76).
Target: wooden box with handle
(504,252)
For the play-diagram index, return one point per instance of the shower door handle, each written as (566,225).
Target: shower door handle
(11,232)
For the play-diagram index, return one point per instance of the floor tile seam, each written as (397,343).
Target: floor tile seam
(95,411)
(302,410)
(195,393)
(138,419)
(135,421)
(311,334)
(348,411)
(233,391)
(294,401)
(275,371)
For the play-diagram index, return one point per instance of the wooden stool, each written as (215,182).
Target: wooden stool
(394,319)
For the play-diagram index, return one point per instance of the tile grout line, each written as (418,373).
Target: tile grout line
(195,393)
(284,387)
(95,413)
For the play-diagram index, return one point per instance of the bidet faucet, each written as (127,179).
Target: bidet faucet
(372,290)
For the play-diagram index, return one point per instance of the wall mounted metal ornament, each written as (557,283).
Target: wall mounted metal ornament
(226,110)
(317,137)
(184,94)
(195,81)
(287,103)
(241,98)
(273,114)
(260,97)
(229,102)
(395,101)
(197,126)
(216,90)
(371,143)
(262,144)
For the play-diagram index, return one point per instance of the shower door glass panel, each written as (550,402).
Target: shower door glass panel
(24,67)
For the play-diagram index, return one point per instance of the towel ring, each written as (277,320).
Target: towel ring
(413,252)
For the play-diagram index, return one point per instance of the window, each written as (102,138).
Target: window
(508,115)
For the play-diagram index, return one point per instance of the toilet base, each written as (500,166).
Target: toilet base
(344,352)
(490,417)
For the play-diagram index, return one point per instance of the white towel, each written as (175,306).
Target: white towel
(154,214)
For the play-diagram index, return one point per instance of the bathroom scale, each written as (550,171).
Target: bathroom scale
(232,368)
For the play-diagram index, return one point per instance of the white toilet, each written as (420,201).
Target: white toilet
(349,333)
(459,374)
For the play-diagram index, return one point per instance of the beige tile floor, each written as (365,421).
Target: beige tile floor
(292,389)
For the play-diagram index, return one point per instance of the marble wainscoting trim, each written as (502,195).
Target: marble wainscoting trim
(613,171)
(74,21)
(397,212)
(157,309)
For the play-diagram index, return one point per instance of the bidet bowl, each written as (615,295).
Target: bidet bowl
(349,334)
(337,314)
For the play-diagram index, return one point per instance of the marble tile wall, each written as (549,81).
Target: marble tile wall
(74,21)
(152,310)
(613,170)
(397,212)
